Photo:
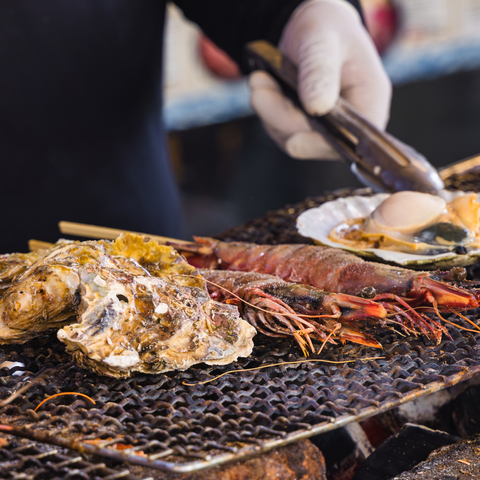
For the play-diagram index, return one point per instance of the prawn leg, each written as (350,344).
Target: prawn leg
(278,308)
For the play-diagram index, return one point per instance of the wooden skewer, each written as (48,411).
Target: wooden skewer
(92,231)
(39,245)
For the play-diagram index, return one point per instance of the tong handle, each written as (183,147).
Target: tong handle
(377,158)
(264,56)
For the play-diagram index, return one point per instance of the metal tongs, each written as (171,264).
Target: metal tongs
(378,159)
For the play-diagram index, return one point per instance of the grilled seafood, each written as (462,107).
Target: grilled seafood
(44,300)
(46,296)
(278,308)
(338,271)
(14,264)
(158,260)
(443,233)
(128,320)
(398,224)
(139,323)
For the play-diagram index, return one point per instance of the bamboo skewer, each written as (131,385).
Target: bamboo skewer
(92,231)
(39,245)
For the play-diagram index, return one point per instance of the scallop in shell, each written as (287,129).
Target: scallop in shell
(406,228)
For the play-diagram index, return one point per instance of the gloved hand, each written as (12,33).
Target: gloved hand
(335,56)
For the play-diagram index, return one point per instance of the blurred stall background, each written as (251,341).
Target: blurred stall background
(228,169)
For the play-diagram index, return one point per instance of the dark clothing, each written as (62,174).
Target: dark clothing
(80,109)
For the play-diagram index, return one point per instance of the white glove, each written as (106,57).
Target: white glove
(335,56)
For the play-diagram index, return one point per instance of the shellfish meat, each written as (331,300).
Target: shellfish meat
(415,227)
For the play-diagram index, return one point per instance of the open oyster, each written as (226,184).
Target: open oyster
(407,228)
(14,264)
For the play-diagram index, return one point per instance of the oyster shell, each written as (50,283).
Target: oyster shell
(318,223)
(147,318)
(46,295)
(14,264)
(139,323)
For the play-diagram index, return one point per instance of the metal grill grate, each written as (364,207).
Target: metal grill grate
(26,460)
(157,421)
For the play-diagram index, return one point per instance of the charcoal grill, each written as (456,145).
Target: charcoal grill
(157,421)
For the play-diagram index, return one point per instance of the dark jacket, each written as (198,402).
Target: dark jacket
(81,137)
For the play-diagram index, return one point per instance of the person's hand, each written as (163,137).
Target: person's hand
(335,56)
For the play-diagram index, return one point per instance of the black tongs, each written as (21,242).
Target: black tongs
(377,158)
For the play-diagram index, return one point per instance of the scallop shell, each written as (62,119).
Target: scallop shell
(317,223)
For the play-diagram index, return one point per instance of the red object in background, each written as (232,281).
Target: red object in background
(375,431)
(216,60)
(382,22)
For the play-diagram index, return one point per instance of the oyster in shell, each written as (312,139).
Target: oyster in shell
(46,295)
(140,323)
(14,264)
(406,228)
(117,317)
(158,260)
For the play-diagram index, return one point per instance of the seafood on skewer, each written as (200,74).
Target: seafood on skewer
(278,308)
(334,270)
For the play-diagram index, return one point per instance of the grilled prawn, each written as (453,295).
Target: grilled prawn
(278,308)
(336,270)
